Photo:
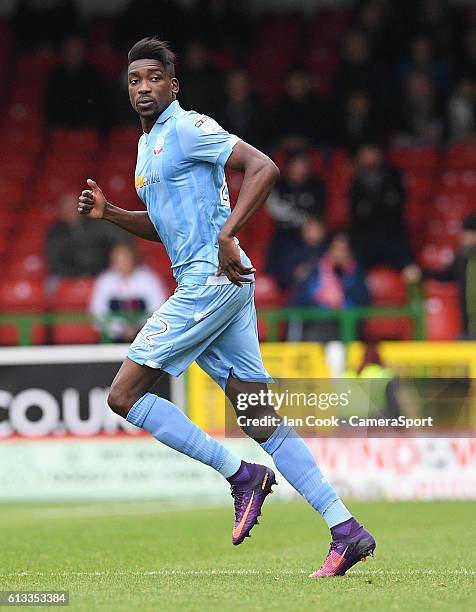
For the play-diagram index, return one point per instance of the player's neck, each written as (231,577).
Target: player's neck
(148,123)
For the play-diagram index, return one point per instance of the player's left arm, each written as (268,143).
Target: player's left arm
(260,174)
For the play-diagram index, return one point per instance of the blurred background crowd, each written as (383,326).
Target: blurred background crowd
(368,108)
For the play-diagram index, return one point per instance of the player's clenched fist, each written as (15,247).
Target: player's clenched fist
(92,201)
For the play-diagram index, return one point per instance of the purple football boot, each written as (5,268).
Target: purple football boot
(249,488)
(351,543)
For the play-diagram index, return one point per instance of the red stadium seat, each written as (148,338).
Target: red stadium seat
(267,293)
(73,294)
(124,140)
(416,158)
(22,295)
(443,311)
(462,156)
(435,256)
(387,288)
(29,266)
(17,140)
(84,140)
(74,333)
(10,335)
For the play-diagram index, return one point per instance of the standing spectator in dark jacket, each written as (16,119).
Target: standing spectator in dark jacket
(462,271)
(357,123)
(74,93)
(299,114)
(462,111)
(241,111)
(356,71)
(199,83)
(296,198)
(377,202)
(420,119)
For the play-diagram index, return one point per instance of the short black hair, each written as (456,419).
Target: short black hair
(153,48)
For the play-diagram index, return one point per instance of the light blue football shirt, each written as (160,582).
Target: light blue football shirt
(180,178)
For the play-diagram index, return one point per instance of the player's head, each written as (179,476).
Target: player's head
(151,77)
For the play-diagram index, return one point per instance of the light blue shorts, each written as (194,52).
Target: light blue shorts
(214,325)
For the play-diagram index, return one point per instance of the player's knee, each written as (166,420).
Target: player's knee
(119,401)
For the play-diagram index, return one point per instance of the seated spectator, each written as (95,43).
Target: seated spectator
(241,111)
(125,294)
(306,255)
(420,121)
(462,111)
(336,283)
(78,246)
(298,197)
(75,95)
(299,116)
(377,202)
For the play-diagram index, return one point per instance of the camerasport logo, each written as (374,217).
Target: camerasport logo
(36,412)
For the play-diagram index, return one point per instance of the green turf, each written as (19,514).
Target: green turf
(140,557)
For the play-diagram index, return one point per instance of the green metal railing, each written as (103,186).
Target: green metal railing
(347,319)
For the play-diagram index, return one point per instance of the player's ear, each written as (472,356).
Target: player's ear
(175,85)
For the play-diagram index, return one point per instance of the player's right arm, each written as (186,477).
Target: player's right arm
(92,202)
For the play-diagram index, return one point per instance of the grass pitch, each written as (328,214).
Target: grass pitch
(144,557)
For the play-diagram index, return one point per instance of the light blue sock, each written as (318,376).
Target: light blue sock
(295,462)
(172,427)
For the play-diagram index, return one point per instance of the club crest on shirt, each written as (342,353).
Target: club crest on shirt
(207,125)
(159,145)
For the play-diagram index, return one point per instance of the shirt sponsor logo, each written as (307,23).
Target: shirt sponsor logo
(142,181)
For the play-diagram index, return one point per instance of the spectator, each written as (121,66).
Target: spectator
(199,83)
(78,246)
(75,95)
(125,294)
(38,23)
(422,60)
(299,116)
(241,112)
(356,72)
(467,62)
(141,18)
(337,282)
(357,123)
(305,256)
(296,198)
(377,201)
(462,111)
(420,120)
(459,271)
